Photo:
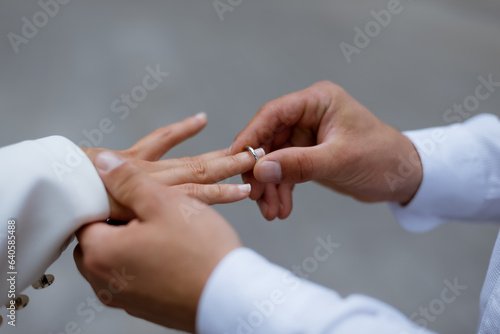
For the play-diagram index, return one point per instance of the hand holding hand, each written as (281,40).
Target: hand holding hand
(167,253)
(323,134)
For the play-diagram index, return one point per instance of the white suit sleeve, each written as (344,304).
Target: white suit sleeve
(461,175)
(49,188)
(247,294)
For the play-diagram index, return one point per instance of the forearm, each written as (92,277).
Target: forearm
(50,188)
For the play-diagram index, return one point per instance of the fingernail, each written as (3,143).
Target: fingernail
(260,152)
(107,161)
(229,150)
(201,115)
(245,188)
(270,172)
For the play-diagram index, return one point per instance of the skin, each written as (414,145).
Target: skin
(170,249)
(195,176)
(322,134)
(175,242)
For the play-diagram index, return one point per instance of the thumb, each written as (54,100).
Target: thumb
(294,165)
(128,185)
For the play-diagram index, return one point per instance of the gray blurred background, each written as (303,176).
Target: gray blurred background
(65,78)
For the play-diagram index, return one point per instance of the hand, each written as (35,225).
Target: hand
(165,256)
(323,134)
(193,175)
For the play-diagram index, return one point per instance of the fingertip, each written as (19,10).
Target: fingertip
(264,209)
(271,202)
(286,200)
(245,189)
(202,116)
(284,212)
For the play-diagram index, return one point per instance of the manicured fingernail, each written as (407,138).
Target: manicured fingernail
(270,172)
(245,188)
(107,161)
(201,115)
(260,152)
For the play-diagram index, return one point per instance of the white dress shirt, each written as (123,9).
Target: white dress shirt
(52,189)
(247,294)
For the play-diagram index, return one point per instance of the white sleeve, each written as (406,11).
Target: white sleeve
(247,294)
(49,188)
(461,175)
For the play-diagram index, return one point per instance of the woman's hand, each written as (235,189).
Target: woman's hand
(164,256)
(195,176)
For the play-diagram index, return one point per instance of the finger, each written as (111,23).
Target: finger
(216,193)
(161,165)
(78,257)
(211,155)
(285,198)
(269,204)
(210,171)
(130,186)
(257,187)
(91,238)
(95,234)
(295,164)
(303,108)
(155,145)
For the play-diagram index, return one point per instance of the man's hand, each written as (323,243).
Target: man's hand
(164,256)
(325,135)
(193,175)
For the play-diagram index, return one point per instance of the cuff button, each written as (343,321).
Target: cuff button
(19,303)
(43,282)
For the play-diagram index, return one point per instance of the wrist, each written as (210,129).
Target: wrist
(409,171)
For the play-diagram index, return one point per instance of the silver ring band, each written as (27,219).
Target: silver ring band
(251,150)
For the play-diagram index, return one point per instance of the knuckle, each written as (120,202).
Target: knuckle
(165,134)
(338,93)
(135,187)
(198,169)
(217,192)
(192,190)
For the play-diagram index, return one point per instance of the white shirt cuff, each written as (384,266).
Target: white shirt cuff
(248,294)
(461,174)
